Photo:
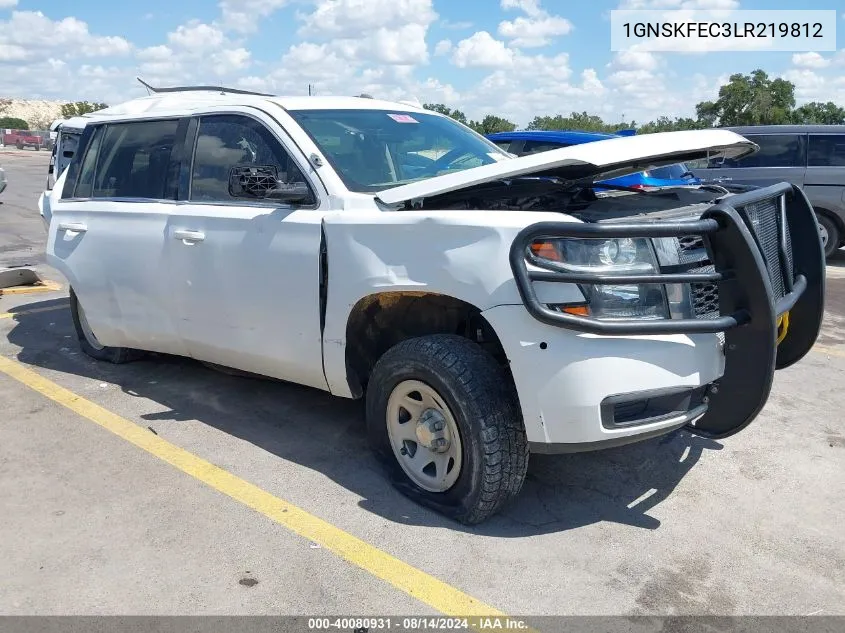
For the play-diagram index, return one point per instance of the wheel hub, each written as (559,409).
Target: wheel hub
(431,431)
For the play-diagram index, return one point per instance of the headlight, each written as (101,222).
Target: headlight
(623,256)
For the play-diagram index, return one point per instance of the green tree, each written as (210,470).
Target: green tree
(491,124)
(81,107)
(819,113)
(13,123)
(577,121)
(447,111)
(753,99)
(667,124)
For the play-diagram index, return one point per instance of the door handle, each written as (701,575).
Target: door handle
(73,227)
(188,237)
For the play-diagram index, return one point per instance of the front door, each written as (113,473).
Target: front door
(246,269)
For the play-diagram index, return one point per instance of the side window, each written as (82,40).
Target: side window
(505,145)
(237,158)
(534,147)
(134,159)
(85,183)
(826,150)
(776,150)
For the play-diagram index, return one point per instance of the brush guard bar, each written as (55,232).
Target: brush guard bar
(748,307)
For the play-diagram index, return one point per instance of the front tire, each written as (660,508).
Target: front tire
(444,417)
(829,234)
(89,343)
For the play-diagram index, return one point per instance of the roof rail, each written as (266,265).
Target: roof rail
(220,89)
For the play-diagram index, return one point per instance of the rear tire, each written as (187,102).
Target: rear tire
(88,342)
(830,234)
(474,409)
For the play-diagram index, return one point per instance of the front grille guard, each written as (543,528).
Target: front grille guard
(748,308)
(721,224)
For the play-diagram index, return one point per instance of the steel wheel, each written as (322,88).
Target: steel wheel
(87,331)
(824,235)
(424,436)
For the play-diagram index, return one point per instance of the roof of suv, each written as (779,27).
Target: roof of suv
(170,103)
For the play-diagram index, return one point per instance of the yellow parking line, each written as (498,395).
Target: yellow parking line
(12,315)
(414,582)
(45,286)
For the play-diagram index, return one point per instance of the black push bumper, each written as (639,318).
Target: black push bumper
(746,237)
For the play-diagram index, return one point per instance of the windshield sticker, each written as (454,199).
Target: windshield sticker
(403,118)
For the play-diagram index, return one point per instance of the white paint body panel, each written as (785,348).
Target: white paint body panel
(561,388)
(247,294)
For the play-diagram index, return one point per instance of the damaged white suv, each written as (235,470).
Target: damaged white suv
(486,306)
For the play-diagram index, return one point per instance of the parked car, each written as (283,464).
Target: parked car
(67,133)
(532,141)
(378,250)
(809,156)
(22,138)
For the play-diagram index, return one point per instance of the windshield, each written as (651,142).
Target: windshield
(670,172)
(372,150)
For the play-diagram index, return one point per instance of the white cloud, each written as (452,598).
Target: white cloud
(384,31)
(810,60)
(30,35)
(244,16)
(530,7)
(482,50)
(443,47)
(641,60)
(811,85)
(530,32)
(535,30)
(8,4)
(196,36)
(353,18)
(196,52)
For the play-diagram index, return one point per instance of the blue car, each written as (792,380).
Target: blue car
(531,142)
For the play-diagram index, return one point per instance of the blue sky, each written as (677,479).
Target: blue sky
(513,57)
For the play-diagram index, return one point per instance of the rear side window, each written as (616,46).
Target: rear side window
(133,160)
(776,150)
(85,183)
(826,150)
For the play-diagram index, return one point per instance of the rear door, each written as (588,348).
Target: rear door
(107,231)
(782,158)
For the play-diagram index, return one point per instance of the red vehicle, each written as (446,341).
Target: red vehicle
(22,138)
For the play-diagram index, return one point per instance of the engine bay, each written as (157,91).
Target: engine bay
(590,202)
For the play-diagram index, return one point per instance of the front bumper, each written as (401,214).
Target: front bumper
(564,378)
(763,265)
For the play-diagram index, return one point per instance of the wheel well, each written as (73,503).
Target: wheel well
(834,218)
(380,321)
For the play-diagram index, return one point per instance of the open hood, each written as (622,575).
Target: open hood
(597,160)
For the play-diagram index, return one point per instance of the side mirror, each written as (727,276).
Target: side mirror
(293,193)
(262,183)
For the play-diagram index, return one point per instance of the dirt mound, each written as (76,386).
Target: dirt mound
(38,113)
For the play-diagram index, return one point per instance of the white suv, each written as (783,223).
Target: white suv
(486,306)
